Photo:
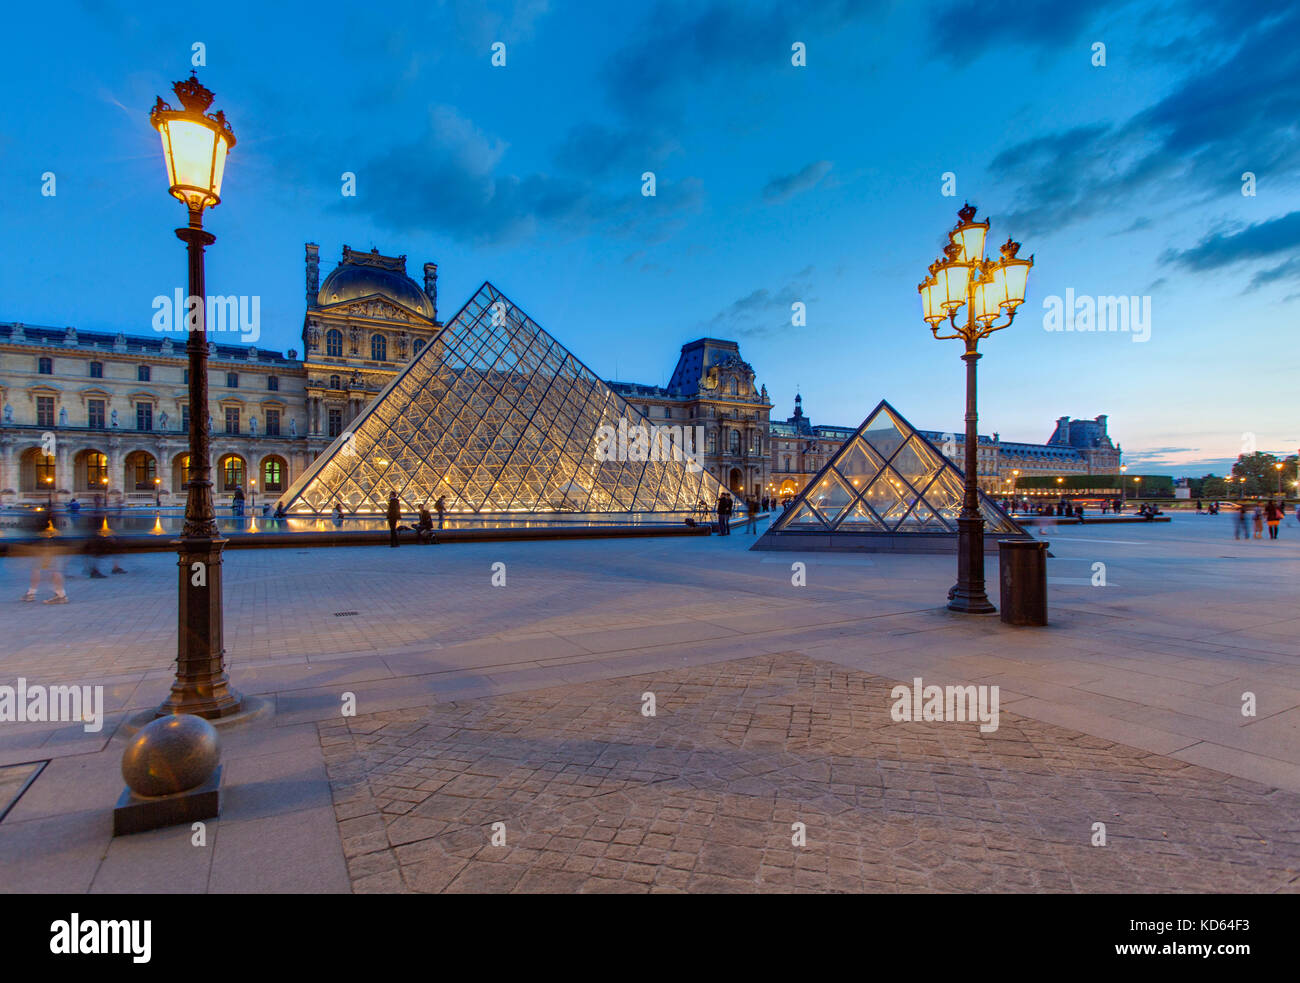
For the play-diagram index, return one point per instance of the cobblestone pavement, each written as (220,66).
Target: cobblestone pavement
(596,796)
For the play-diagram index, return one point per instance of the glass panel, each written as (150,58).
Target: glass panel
(829,497)
(881,432)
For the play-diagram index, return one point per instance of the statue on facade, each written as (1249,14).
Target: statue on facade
(252,426)
(354,336)
(9,413)
(162,419)
(113,419)
(293,427)
(313,336)
(63,416)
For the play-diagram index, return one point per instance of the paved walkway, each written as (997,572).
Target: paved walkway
(583,792)
(1156,661)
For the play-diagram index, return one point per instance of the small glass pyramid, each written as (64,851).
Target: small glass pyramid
(887,479)
(498,417)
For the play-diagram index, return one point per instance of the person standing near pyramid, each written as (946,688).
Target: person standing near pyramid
(394,513)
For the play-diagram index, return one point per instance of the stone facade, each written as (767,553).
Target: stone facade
(714,388)
(85,413)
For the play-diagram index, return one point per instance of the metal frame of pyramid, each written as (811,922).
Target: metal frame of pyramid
(887,489)
(502,420)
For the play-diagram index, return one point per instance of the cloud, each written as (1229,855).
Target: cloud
(1234,109)
(452,180)
(787,186)
(595,150)
(683,45)
(1254,242)
(762,312)
(968,28)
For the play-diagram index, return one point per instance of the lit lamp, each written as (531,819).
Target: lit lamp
(989,290)
(1278,468)
(49,488)
(195,144)
(157,492)
(1123,498)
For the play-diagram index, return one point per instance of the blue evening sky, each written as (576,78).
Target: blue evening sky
(775,184)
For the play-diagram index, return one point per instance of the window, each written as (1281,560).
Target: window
(45,366)
(185,377)
(142,373)
(271,475)
(273,423)
(232,473)
(713,442)
(95,414)
(733,442)
(44,470)
(232,419)
(141,471)
(97,370)
(735,388)
(335,422)
(232,380)
(336,382)
(96,470)
(273,383)
(378,348)
(185,475)
(144,416)
(334,343)
(185,420)
(45,411)
(417,347)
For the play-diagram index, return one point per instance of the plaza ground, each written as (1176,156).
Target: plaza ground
(521,704)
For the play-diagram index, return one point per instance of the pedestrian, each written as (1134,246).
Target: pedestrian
(424,526)
(1273,513)
(46,554)
(237,502)
(441,506)
(1259,522)
(338,514)
(1240,528)
(394,513)
(752,505)
(724,511)
(1198,507)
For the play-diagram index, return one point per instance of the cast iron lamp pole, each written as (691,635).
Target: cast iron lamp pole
(195,146)
(987,289)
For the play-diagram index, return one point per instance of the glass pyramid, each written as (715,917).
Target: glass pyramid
(498,417)
(887,478)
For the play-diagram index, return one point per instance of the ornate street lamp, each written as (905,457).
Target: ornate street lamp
(1278,468)
(195,144)
(1123,497)
(988,289)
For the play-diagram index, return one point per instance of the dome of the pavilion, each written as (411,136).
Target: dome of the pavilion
(364,274)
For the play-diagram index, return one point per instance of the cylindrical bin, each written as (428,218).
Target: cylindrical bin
(1023,566)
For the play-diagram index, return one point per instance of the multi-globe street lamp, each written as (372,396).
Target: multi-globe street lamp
(195,143)
(988,289)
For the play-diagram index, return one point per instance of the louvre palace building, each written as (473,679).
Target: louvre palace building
(88,413)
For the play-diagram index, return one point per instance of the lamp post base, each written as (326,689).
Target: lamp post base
(967,596)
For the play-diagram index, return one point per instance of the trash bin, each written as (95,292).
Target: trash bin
(1023,572)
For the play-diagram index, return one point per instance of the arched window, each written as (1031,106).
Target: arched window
(336,382)
(378,348)
(334,342)
(141,469)
(232,472)
(273,474)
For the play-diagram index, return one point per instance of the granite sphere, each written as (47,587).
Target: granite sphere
(172,754)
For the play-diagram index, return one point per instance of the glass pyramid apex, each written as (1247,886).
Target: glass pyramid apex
(499,418)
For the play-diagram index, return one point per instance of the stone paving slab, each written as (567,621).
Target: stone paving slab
(594,796)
